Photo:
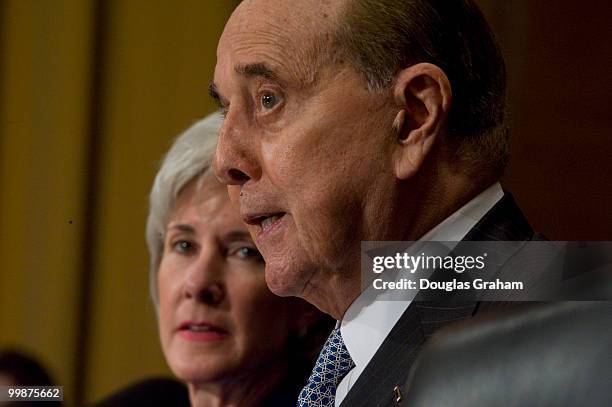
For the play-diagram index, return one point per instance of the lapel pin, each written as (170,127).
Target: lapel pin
(397,394)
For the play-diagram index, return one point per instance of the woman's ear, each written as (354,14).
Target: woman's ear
(423,95)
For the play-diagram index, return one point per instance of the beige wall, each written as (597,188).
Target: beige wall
(82,129)
(43,116)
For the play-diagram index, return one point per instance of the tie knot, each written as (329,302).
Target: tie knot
(333,364)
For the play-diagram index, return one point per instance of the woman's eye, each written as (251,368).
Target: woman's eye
(268,100)
(182,246)
(248,253)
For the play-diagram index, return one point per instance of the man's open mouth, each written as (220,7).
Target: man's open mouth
(265,222)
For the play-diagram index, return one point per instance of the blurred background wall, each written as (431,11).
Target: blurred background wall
(92,93)
(559,59)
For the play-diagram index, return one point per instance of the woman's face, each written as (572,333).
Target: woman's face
(217,318)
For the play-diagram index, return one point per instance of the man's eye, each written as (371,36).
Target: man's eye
(268,100)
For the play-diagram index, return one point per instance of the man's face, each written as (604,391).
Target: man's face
(305,147)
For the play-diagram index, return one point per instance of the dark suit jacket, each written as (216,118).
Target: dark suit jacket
(389,368)
(165,392)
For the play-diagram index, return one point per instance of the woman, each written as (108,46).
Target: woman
(222,331)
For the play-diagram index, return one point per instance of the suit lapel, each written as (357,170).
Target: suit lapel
(504,222)
(390,366)
(398,351)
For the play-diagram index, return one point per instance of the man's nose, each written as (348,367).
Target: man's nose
(204,280)
(235,161)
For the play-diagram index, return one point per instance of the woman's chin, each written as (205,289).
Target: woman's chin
(192,370)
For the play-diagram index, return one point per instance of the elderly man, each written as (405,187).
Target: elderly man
(362,120)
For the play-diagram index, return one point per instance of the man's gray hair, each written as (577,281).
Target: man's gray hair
(189,157)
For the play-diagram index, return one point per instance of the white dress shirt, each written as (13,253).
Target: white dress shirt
(367,323)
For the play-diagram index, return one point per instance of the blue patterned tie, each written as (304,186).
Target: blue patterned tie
(333,364)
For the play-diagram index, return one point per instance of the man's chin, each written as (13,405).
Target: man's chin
(283,280)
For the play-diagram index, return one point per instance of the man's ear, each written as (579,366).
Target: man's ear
(423,94)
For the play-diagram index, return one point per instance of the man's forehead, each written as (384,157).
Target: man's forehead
(282,35)
(289,25)
(290,38)
(287,12)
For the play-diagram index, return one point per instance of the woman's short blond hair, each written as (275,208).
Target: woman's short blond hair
(189,157)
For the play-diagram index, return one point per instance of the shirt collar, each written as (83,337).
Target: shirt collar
(367,323)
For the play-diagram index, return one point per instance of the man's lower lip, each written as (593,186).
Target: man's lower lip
(272,228)
(208,336)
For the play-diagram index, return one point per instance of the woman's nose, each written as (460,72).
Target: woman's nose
(204,280)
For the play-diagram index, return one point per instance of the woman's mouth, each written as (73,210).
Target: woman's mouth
(202,332)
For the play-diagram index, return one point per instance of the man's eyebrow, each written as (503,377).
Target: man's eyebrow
(257,69)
